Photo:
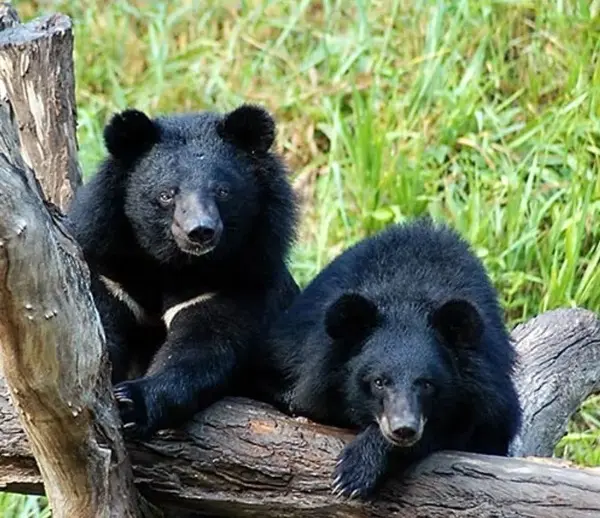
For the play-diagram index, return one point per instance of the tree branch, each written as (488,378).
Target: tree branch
(560,368)
(52,345)
(242,458)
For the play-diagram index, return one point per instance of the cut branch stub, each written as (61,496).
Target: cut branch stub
(42,99)
(559,368)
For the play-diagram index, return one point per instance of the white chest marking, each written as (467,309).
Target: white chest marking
(117,291)
(174,310)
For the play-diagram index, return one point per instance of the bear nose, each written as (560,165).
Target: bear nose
(405,433)
(201,233)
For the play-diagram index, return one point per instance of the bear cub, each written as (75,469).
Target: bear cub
(401,338)
(186,228)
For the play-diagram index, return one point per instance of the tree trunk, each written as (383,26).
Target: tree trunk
(238,458)
(50,332)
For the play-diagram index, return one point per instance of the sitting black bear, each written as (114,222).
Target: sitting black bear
(186,228)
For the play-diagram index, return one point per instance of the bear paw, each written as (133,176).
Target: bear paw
(132,408)
(356,475)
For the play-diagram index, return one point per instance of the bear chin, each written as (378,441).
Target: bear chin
(190,248)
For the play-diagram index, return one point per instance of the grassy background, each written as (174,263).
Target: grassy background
(484,113)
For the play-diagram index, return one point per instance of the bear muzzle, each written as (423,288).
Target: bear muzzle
(401,422)
(196,227)
(197,240)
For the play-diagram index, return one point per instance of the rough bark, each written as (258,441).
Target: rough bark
(36,80)
(560,367)
(52,358)
(50,333)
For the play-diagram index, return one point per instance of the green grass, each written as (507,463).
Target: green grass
(484,113)
(23,506)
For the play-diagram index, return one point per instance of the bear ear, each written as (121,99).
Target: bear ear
(129,134)
(249,127)
(459,324)
(351,318)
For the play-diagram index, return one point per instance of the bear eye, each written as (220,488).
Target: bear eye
(378,383)
(222,191)
(166,197)
(427,386)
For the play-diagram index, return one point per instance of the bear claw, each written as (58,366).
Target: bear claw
(131,408)
(122,395)
(353,478)
(123,399)
(354,494)
(337,492)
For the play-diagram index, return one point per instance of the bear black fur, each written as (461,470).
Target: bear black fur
(186,228)
(402,339)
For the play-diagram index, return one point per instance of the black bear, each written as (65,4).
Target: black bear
(186,228)
(401,338)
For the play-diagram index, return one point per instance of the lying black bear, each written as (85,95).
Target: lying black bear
(186,228)
(402,338)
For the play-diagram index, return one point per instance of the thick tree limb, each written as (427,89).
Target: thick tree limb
(560,367)
(245,459)
(52,358)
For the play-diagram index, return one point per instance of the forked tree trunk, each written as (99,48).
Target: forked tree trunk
(50,333)
(238,458)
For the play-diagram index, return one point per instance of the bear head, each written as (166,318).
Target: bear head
(402,366)
(200,185)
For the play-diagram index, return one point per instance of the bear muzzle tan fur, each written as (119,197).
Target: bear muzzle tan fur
(401,421)
(197,225)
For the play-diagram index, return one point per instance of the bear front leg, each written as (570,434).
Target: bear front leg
(193,368)
(362,464)
(189,381)
(365,462)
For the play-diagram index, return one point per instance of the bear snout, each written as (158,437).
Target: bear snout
(204,232)
(197,226)
(197,238)
(402,421)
